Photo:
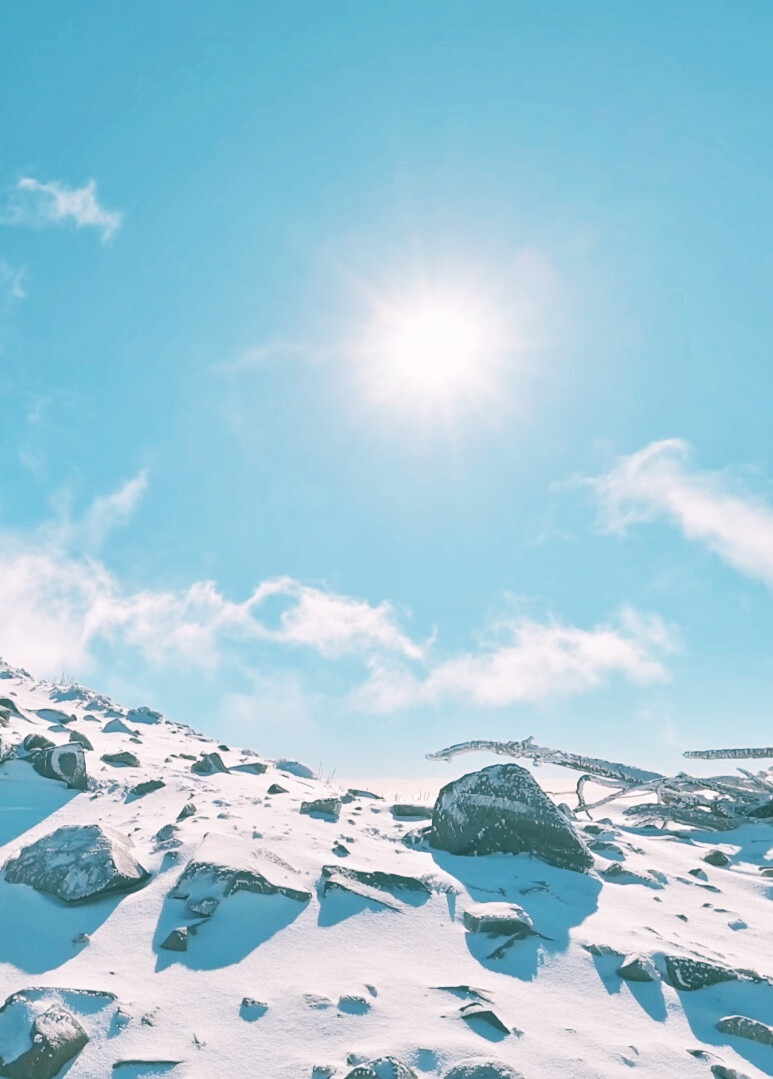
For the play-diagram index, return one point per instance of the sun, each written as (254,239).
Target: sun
(432,351)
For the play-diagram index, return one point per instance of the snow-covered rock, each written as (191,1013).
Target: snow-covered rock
(77,862)
(501,809)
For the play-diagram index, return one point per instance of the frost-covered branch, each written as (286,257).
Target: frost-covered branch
(730,754)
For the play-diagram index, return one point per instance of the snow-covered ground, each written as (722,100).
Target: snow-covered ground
(274,985)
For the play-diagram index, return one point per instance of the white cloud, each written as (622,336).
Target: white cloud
(659,480)
(54,203)
(536,660)
(62,607)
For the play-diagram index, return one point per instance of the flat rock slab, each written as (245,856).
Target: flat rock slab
(690,974)
(498,919)
(502,810)
(225,864)
(323,807)
(77,863)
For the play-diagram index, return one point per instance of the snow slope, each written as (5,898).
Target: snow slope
(275,986)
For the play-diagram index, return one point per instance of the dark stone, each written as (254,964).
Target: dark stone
(36,741)
(762,812)
(208,764)
(376,878)
(716,857)
(81,739)
(690,974)
(65,763)
(57,1037)
(177,940)
(147,787)
(276,789)
(638,968)
(743,1027)
(502,810)
(124,759)
(411,811)
(187,811)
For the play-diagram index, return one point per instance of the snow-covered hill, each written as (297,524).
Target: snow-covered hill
(190,921)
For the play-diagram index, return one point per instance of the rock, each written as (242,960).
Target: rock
(502,809)
(142,715)
(721,1071)
(762,812)
(81,739)
(208,764)
(482,1069)
(57,1037)
(498,919)
(116,726)
(224,865)
(276,789)
(187,811)
(690,974)
(355,792)
(323,807)
(743,1027)
(10,707)
(76,863)
(638,968)
(65,763)
(382,1068)
(147,787)
(376,878)
(716,857)
(202,908)
(54,715)
(177,940)
(124,759)
(251,1009)
(699,874)
(32,742)
(295,768)
(411,811)
(475,1013)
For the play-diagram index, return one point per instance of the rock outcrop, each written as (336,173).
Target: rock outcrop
(65,763)
(57,1037)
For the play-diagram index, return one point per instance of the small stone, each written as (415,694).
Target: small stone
(187,811)
(716,857)
(202,908)
(322,807)
(177,940)
(251,1009)
(699,873)
(638,968)
(276,789)
(498,919)
(123,759)
(147,787)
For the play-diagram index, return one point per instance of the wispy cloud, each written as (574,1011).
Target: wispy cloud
(661,481)
(38,204)
(536,660)
(13,285)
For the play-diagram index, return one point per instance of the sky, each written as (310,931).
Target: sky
(380,376)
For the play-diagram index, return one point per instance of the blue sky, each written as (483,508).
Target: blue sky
(222,495)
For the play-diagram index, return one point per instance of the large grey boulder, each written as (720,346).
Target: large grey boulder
(66,763)
(76,863)
(502,810)
(56,1037)
(498,920)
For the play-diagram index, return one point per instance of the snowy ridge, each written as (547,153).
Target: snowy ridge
(287,940)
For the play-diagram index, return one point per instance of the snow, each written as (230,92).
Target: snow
(183,1014)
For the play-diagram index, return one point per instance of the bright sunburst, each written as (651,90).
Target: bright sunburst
(435,351)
